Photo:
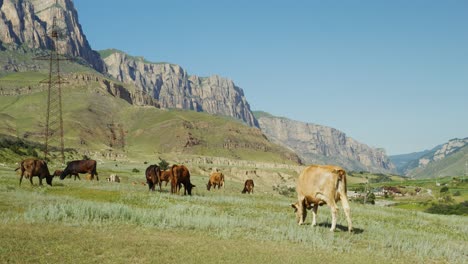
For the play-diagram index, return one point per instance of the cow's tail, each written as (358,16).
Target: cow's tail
(17,168)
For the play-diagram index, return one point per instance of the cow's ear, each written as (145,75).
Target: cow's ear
(340,173)
(293,205)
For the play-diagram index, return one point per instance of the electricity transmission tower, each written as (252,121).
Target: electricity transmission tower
(54,119)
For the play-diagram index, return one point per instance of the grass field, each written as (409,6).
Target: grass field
(102,222)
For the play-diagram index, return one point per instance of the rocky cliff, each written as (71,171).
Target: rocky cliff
(28,23)
(320,144)
(174,88)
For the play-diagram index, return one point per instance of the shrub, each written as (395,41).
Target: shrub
(449,209)
(457,193)
(444,189)
(135,170)
(163,165)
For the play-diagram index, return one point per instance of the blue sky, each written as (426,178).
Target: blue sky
(391,74)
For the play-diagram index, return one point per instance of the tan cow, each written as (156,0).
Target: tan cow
(216,179)
(318,185)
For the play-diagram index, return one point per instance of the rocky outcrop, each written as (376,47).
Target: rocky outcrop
(320,144)
(28,23)
(174,88)
(443,151)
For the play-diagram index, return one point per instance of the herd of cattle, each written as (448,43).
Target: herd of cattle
(317,184)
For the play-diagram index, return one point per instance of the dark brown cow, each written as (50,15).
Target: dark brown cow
(153,172)
(80,166)
(166,175)
(34,167)
(318,185)
(216,179)
(181,176)
(59,172)
(248,186)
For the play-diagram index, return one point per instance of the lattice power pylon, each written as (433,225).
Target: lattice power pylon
(54,119)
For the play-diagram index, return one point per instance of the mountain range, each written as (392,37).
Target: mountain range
(25,29)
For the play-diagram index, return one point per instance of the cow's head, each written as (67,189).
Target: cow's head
(300,211)
(189,188)
(49,179)
(208,185)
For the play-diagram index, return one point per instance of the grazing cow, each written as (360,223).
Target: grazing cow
(318,185)
(248,186)
(34,167)
(153,172)
(166,175)
(181,176)
(113,178)
(59,172)
(216,179)
(80,166)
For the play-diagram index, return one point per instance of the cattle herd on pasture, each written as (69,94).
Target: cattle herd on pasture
(317,184)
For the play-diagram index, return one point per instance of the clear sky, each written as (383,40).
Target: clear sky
(391,74)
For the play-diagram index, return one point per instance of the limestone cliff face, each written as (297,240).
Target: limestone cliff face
(174,88)
(28,23)
(320,144)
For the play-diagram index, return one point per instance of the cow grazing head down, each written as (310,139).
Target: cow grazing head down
(80,166)
(35,167)
(318,185)
(181,176)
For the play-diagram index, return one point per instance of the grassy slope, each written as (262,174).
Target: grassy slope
(87,111)
(452,165)
(82,222)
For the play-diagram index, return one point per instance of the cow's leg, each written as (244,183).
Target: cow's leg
(314,214)
(21,179)
(301,211)
(333,208)
(334,211)
(40,180)
(30,180)
(347,210)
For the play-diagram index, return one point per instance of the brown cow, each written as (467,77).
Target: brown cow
(80,166)
(318,185)
(59,172)
(166,175)
(248,186)
(34,167)
(153,173)
(216,179)
(181,175)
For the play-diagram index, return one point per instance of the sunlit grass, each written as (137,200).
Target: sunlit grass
(382,233)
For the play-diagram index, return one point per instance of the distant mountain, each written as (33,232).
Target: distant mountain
(323,145)
(405,162)
(448,159)
(174,88)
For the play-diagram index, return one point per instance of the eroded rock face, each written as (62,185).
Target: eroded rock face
(320,144)
(174,88)
(28,23)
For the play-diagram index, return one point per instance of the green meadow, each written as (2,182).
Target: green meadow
(103,222)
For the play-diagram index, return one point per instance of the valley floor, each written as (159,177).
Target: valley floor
(103,222)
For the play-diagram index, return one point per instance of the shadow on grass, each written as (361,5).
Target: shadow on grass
(342,228)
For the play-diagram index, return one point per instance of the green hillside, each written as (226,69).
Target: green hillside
(97,122)
(452,165)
